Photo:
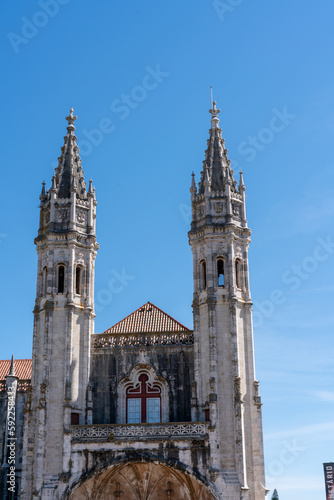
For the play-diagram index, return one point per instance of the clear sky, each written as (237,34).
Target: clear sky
(138,75)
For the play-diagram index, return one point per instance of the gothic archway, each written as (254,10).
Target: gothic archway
(141,481)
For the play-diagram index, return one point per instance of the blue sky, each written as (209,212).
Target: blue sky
(271,68)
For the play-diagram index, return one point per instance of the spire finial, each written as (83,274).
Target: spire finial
(71,119)
(214,112)
(12,368)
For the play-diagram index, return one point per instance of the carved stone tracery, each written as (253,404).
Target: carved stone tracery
(142,481)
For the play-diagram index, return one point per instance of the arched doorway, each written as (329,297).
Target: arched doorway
(141,481)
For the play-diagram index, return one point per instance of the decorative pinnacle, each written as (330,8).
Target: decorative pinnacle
(12,368)
(42,195)
(241,182)
(193,188)
(214,111)
(70,118)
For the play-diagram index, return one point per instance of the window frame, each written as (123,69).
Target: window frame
(203,275)
(61,290)
(220,260)
(78,286)
(132,381)
(239,282)
(143,392)
(44,280)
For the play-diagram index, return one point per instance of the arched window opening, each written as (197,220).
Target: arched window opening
(61,279)
(238,273)
(220,272)
(203,275)
(44,281)
(78,272)
(143,403)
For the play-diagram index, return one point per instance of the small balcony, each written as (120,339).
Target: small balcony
(135,432)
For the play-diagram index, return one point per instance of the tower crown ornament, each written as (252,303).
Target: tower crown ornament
(218,198)
(70,118)
(214,112)
(68,205)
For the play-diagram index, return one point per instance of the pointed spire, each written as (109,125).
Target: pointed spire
(54,183)
(69,175)
(12,368)
(216,163)
(206,178)
(275,495)
(42,196)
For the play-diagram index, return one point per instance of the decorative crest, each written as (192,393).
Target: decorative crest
(214,111)
(70,118)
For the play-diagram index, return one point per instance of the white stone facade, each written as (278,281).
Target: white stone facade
(218,452)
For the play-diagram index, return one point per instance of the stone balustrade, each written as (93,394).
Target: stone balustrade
(174,430)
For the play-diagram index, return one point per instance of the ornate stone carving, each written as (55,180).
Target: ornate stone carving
(236,209)
(218,207)
(81,216)
(62,214)
(46,217)
(80,258)
(142,480)
(148,339)
(200,211)
(103,432)
(257,397)
(132,380)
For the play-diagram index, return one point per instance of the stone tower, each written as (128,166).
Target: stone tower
(226,389)
(63,322)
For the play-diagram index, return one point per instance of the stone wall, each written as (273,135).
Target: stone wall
(109,366)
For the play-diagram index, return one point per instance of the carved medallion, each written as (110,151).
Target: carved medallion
(236,210)
(81,216)
(62,214)
(218,207)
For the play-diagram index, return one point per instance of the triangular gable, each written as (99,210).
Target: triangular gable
(147,319)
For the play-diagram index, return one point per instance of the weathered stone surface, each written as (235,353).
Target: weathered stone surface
(109,367)
(142,481)
(207,442)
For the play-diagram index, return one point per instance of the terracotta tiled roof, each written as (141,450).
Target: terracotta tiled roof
(22,368)
(147,319)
